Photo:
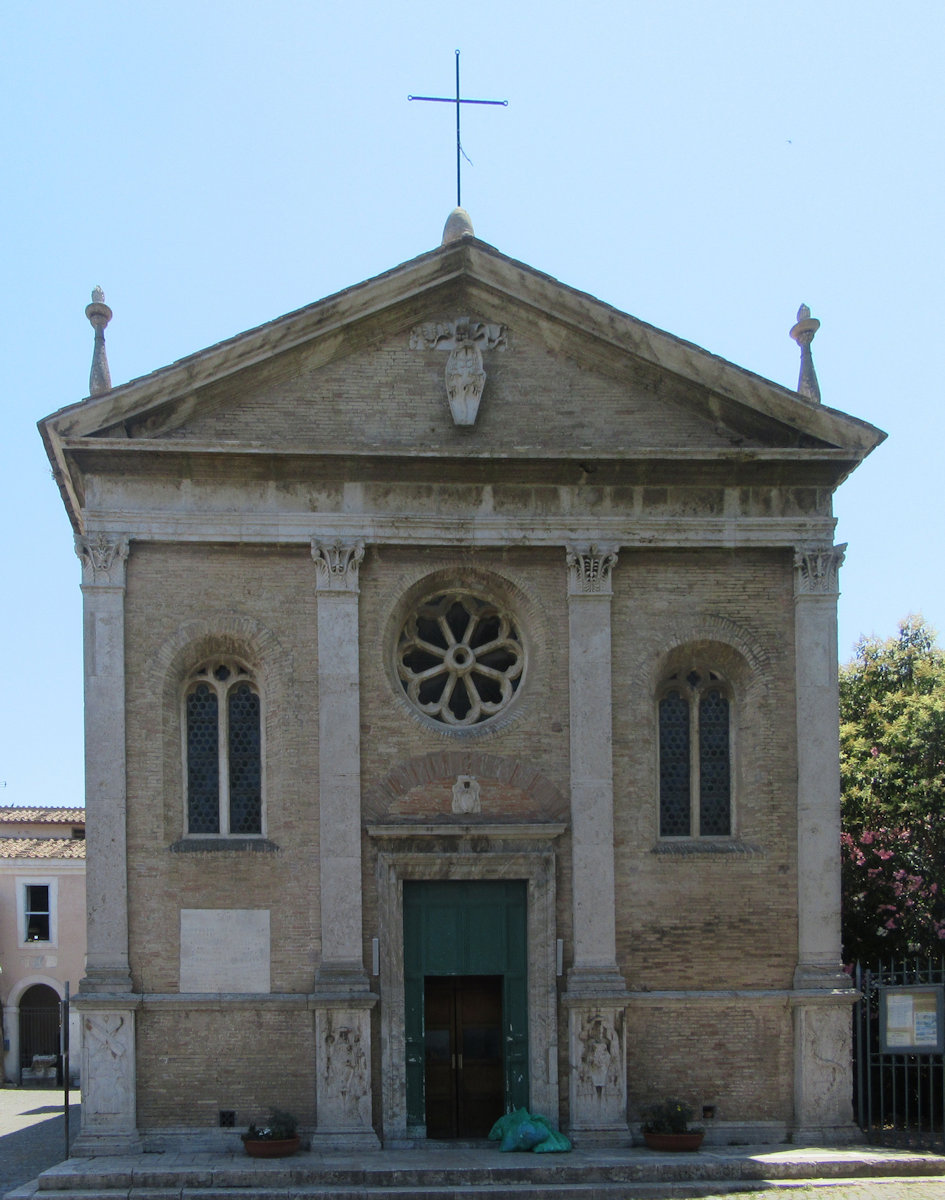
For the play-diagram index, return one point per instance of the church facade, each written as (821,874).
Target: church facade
(461,716)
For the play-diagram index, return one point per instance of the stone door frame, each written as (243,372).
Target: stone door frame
(467,853)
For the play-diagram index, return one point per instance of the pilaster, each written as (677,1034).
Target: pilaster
(342,999)
(105,1002)
(822,997)
(596,994)
(818,766)
(104,557)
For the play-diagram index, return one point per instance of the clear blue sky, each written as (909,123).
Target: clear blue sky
(705,165)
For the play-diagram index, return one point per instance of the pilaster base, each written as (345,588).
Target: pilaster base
(106,981)
(828,1135)
(597,1086)
(343,1070)
(322,1140)
(341,979)
(822,976)
(103,1145)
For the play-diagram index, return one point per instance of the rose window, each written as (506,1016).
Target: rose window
(460,659)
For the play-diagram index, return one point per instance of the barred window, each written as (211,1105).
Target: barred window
(223,743)
(695,756)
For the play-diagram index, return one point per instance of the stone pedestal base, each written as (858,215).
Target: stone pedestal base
(823,1084)
(343,1071)
(109,1117)
(106,1145)
(597,1087)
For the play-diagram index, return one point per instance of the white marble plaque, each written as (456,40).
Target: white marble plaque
(224,950)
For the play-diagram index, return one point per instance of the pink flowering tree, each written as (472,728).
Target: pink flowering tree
(892,762)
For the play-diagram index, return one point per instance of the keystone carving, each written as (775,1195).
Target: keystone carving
(817,572)
(589,570)
(337,565)
(465,377)
(466,795)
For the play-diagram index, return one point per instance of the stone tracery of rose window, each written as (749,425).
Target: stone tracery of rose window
(460,658)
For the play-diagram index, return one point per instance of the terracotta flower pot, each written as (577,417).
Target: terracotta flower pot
(271,1147)
(674,1141)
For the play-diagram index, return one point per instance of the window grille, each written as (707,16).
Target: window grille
(224,751)
(695,756)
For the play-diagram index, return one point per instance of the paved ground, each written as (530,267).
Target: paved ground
(875,1189)
(32,1132)
(32,1139)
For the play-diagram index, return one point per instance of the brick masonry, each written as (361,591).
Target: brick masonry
(593,428)
(684,921)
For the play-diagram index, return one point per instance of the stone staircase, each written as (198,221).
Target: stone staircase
(468,1173)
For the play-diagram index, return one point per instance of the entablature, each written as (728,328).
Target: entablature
(628,532)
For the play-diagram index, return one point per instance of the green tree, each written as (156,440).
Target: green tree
(892,766)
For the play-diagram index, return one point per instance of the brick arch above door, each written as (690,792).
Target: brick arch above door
(507,790)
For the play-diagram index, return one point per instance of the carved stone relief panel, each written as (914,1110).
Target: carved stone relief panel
(598,1090)
(108,1083)
(343,1047)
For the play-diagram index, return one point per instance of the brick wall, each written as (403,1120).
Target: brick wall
(193,1063)
(683,921)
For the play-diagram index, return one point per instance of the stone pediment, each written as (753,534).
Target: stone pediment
(461,353)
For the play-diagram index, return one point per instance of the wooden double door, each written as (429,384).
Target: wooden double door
(465,1004)
(463,1072)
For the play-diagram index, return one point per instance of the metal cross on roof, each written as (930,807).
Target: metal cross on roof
(458,100)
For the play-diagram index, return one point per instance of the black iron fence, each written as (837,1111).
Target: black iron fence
(39,1038)
(899,1052)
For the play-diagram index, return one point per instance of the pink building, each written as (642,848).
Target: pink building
(42,935)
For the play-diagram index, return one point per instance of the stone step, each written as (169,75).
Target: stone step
(582,1175)
(679,1190)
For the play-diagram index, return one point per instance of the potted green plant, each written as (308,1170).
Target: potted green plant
(274,1138)
(666,1127)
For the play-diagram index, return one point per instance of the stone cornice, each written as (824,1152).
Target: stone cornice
(621,531)
(466,454)
(779,996)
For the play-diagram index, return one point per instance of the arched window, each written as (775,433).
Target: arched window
(223,747)
(695,755)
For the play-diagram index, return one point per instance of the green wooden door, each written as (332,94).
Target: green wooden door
(465,928)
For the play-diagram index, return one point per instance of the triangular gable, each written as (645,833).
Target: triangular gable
(576,376)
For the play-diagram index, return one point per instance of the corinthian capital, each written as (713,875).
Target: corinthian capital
(817,572)
(103,557)
(337,565)
(589,570)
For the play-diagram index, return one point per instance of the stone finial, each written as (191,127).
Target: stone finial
(458,224)
(803,333)
(99,314)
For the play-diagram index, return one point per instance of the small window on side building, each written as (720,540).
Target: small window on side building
(37,912)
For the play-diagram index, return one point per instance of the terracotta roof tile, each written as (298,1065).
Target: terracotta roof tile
(46,847)
(52,816)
